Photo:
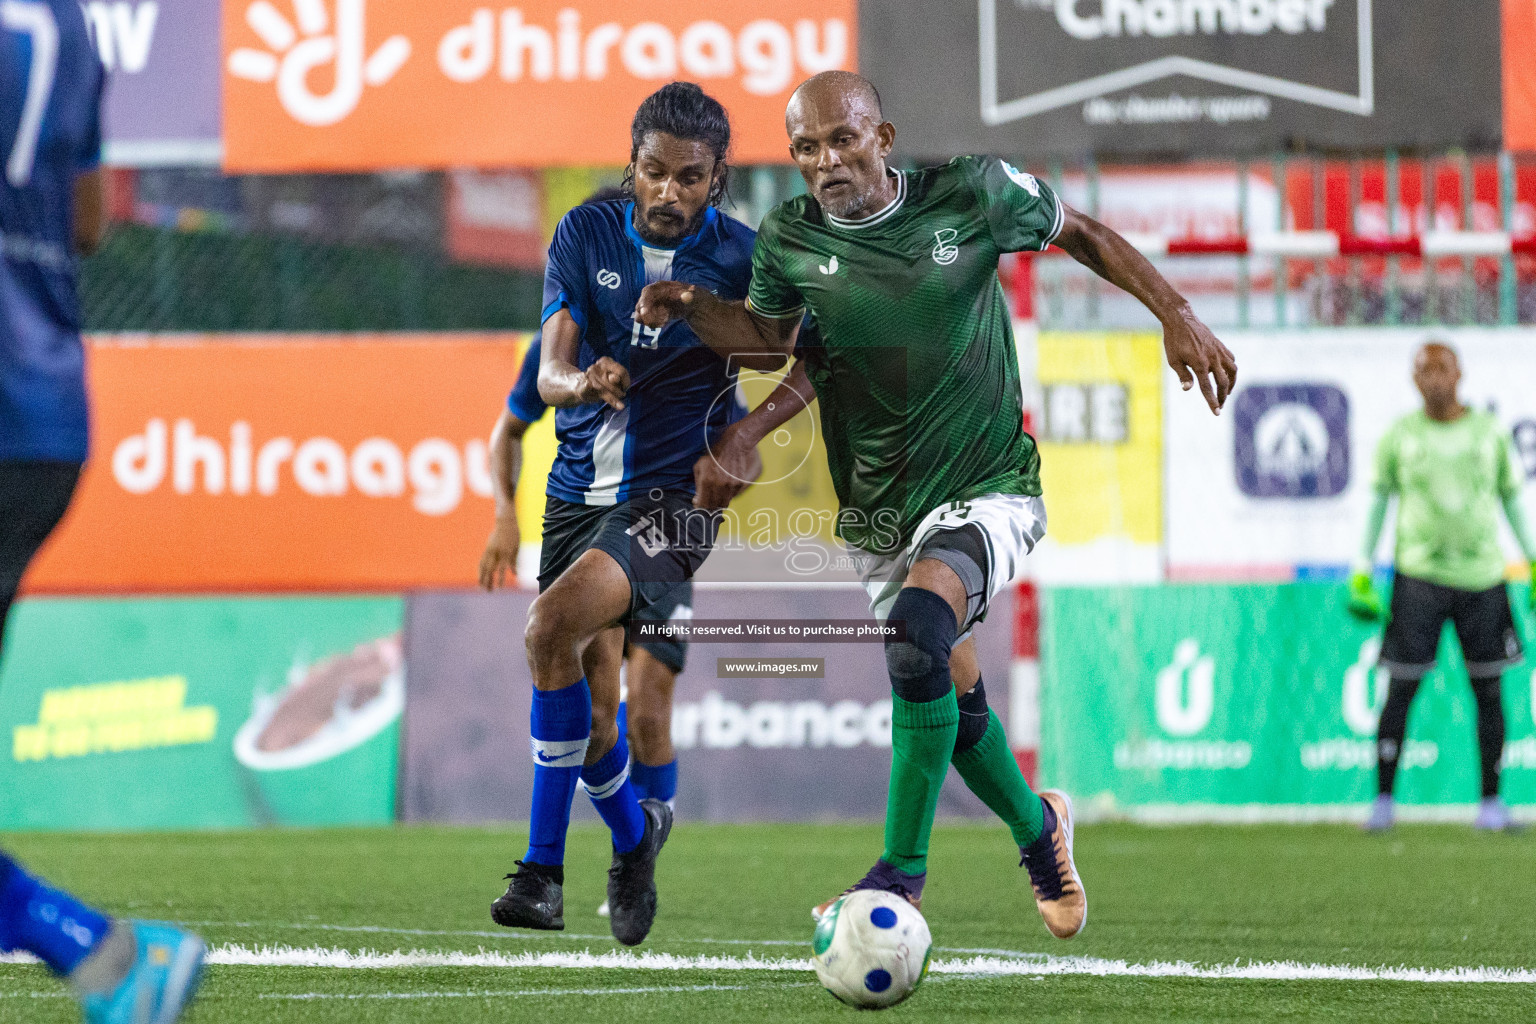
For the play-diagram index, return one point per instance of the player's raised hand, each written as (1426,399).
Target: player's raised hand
(724,471)
(662,302)
(606,381)
(1199,357)
(499,562)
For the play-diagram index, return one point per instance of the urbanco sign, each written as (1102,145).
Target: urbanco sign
(1141,77)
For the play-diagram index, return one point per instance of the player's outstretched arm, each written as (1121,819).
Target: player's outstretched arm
(1522,531)
(1195,354)
(733,331)
(732,462)
(561,384)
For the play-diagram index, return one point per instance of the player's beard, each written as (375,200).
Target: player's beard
(853,201)
(651,236)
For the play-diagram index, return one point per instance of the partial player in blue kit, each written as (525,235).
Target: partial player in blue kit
(123,972)
(636,411)
(653,665)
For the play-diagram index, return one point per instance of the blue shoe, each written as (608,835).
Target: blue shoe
(1493,816)
(164,978)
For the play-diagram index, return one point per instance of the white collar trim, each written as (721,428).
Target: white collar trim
(884,215)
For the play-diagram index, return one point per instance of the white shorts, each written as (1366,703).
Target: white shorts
(1010,526)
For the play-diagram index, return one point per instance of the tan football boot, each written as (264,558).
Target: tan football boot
(1058,889)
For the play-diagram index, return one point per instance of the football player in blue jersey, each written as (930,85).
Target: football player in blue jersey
(123,972)
(645,715)
(635,410)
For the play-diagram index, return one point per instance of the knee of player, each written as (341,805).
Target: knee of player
(549,624)
(917,658)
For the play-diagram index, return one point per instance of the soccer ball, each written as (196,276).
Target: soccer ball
(871,949)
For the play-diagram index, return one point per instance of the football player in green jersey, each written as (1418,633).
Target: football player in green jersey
(918,381)
(1451,470)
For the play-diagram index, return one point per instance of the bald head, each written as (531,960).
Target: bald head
(1436,373)
(837,94)
(1435,351)
(839,141)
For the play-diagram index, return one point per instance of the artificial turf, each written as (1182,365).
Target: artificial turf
(1423,896)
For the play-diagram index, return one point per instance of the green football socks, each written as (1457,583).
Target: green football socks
(922,741)
(990,771)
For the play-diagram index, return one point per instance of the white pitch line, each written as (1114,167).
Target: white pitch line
(506,993)
(974,967)
(980,966)
(504,934)
(315,956)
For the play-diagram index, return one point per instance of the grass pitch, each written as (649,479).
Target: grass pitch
(1323,898)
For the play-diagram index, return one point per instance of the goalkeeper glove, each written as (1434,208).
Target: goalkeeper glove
(1364,601)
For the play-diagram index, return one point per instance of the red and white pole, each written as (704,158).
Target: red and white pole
(1024,680)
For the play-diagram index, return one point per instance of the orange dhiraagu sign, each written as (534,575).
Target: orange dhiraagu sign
(1520,75)
(284,463)
(328,85)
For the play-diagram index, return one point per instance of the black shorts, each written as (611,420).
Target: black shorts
(33,498)
(658,539)
(1483,620)
(675,603)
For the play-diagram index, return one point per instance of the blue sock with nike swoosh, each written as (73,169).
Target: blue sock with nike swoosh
(607,783)
(560,724)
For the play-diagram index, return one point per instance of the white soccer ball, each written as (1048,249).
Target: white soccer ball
(871,949)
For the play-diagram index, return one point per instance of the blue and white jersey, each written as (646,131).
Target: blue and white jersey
(50,131)
(523,400)
(681,394)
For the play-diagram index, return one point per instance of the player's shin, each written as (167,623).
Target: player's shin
(986,763)
(561,721)
(924,721)
(1490,732)
(608,785)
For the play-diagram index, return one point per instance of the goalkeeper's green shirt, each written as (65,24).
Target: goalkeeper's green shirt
(1451,480)
(916,372)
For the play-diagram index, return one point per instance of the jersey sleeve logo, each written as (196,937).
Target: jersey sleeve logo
(1022,179)
(608,279)
(945,251)
(829,267)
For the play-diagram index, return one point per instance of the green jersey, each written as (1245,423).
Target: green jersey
(916,370)
(1451,480)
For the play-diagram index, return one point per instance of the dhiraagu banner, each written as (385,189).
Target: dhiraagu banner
(200,713)
(1253,702)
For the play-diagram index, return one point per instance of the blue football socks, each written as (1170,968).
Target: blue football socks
(53,925)
(560,723)
(656,782)
(608,784)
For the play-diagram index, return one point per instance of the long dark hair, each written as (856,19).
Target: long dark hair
(683,111)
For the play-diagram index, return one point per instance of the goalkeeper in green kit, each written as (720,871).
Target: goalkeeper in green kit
(921,406)
(1451,470)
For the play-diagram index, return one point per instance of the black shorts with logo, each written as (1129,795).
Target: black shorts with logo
(1484,624)
(658,539)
